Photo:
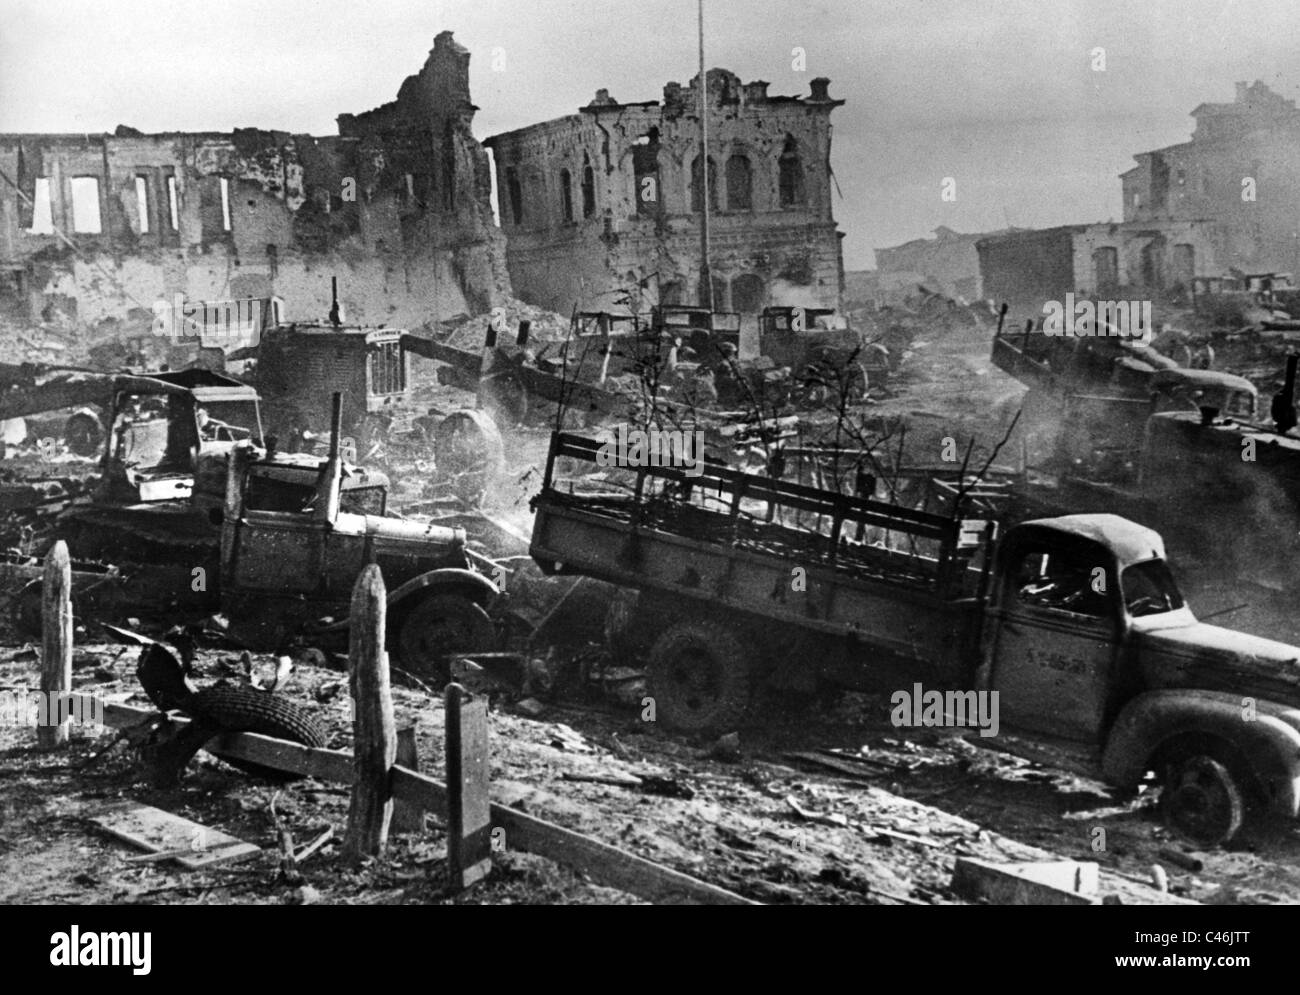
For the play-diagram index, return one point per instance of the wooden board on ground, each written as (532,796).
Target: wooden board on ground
(157,831)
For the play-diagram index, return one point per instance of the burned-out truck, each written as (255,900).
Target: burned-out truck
(275,542)
(1075,622)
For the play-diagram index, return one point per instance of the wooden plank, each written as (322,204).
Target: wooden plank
(56,646)
(407,818)
(608,865)
(604,864)
(325,765)
(469,829)
(1062,882)
(374,731)
(192,845)
(842,766)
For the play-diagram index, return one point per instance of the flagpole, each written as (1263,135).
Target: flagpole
(706,275)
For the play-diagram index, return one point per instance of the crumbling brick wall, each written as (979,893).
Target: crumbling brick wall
(396,206)
(603,201)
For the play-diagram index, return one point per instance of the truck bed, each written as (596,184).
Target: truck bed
(719,539)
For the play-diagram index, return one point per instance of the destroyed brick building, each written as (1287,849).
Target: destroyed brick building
(609,200)
(1240,171)
(95,228)
(1222,205)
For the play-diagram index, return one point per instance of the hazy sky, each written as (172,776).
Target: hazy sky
(998,94)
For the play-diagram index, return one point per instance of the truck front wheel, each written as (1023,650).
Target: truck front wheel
(436,628)
(1202,799)
(699,676)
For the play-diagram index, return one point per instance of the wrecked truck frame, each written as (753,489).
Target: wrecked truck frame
(1075,622)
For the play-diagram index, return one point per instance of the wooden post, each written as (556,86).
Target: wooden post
(469,816)
(374,732)
(407,816)
(56,647)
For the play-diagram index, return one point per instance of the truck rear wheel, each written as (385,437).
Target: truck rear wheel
(441,625)
(1201,798)
(699,676)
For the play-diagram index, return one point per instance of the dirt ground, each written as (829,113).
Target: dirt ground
(773,828)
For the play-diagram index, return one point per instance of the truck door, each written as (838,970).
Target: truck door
(278,551)
(1052,640)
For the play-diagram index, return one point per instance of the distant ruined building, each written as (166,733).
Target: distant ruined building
(608,200)
(1222,205)
(397,205)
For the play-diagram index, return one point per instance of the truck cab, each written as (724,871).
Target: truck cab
(701,329)
(302,552)
(1088,639)
(161,424)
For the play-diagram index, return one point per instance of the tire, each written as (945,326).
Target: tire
(440,625)
(1202,799)
(246,709)
(699,675)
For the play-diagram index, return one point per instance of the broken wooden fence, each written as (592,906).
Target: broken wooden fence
(382,768)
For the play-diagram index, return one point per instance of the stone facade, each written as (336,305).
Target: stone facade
(397,206)
(1111,261)
(607,201)
(1225,204)
(1240,171)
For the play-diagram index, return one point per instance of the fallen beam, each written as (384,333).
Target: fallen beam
(603,864)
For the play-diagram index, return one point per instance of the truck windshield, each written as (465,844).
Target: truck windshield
(1149,589)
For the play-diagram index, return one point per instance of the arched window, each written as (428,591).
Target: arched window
(740,183)
(588,188)
(696,204)
(566,196)
(791,174)
(645,170)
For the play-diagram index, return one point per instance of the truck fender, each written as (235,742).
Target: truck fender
(471,583)
(1270,740)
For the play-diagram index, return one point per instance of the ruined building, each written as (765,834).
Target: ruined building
(1224,204)
(1240,171)
(95,228)
(609,200)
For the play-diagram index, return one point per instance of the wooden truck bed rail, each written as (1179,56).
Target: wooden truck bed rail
(741,511)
